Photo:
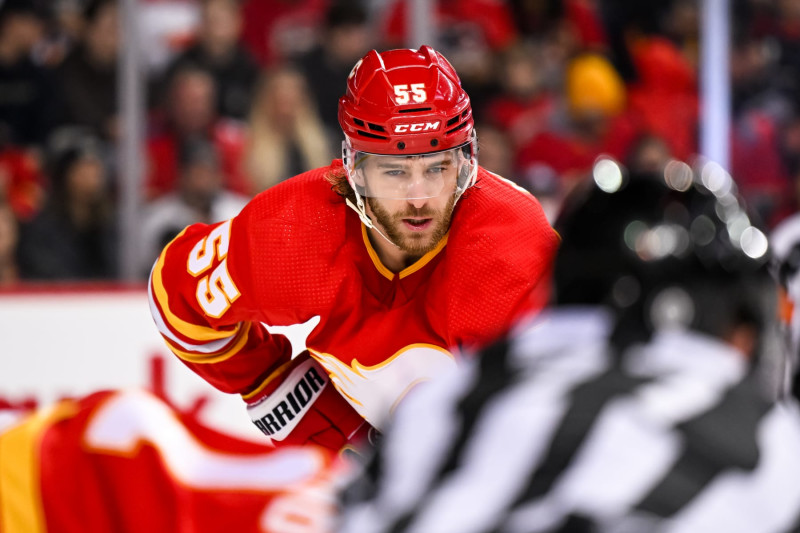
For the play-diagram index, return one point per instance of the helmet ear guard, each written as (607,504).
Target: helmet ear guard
(468,172)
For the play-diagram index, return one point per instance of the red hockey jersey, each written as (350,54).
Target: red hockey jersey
(124,461)
(297,253)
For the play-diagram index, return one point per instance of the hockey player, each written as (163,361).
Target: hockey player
(397,255)
(128,461)
(631,405)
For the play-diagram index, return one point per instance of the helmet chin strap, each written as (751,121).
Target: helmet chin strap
(359,207)
(361,210)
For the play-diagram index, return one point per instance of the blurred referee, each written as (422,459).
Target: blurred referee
(635,404)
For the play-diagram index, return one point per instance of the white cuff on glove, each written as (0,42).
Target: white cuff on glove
(278,413)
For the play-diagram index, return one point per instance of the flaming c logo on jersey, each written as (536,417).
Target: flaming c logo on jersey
(374,391)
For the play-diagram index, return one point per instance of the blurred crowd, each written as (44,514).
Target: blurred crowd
(243,94)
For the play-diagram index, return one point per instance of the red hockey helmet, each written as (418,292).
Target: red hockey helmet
(403,102)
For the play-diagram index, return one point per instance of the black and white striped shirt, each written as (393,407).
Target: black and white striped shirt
(551,431)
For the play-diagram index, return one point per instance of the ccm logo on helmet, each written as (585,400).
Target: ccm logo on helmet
(417,127)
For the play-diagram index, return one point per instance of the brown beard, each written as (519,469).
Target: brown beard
(414,245)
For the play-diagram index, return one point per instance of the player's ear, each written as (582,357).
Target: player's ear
(359,178)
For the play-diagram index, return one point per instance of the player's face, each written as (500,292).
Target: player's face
(414,177)
(412,198)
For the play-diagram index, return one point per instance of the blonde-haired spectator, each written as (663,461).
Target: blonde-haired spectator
(286,136)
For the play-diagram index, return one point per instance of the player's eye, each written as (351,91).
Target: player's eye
(394,173)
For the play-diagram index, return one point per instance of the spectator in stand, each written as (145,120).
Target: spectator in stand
(63,26)
(492,20)
(764,159)
(682,27)
(286,136)
(469,33)
(591,121)
(584,20)
(764,140)
(189,110)
(200,197)
(524,105)
(625,21)
(219,51)
(789,149)
(534,19)
(664,95)
(783,30)
(68,18)
(757,80)
(74,236)
(559,44)
(345,37)
(278,30)
(495,148)
(654,47)
(9,238)
(88,76)
(26,89)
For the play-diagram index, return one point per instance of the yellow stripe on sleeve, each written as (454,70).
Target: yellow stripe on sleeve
(281,369)
(187,329)
(199,358)
(21,506)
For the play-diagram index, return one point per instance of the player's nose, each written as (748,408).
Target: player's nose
(418,193)
(417,201)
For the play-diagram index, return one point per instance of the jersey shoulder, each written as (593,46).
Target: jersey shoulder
(499,216)
(306,199)
(499,259)
(291,233)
